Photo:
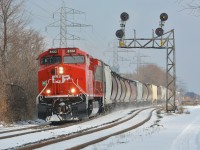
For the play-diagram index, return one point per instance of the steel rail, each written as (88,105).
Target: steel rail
(113,134)
(80,133)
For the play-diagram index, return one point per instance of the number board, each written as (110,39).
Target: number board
(53,51)
(71,51)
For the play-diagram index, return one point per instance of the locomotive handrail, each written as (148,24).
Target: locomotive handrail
(42,91)
(37,98)
(78,87)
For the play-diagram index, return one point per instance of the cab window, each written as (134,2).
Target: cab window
(50,60)
(74,59)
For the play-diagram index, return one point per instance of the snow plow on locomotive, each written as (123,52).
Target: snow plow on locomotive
(72,84)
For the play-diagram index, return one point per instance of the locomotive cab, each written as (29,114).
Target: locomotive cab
(65,85)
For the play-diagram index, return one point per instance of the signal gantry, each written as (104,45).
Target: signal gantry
(162,40)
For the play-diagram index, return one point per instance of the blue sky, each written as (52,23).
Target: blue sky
(103,15)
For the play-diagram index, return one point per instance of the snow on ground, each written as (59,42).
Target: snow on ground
(163,132)
(35,137)
(172,132)
(81,140)
(20,124)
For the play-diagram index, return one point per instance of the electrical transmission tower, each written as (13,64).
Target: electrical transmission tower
(160,41)
(117,58)
(139,61)
(115,65)
(63,24)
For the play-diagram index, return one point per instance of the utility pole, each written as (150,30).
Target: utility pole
(117,58)
(63,24)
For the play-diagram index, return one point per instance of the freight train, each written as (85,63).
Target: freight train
(73,84)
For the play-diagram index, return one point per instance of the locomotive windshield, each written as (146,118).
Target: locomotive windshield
(50,60)
(74,59)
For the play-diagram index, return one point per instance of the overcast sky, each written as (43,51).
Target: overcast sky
(104,16)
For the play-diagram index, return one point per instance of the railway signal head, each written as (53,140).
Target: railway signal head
(124,16)
(159,31)
(163,17)
(119,33)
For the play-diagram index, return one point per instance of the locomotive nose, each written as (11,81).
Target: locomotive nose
(57,70)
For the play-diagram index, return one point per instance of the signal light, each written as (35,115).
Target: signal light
(163,17)
(124,16)
(121,43)
(159,31)
(119,33)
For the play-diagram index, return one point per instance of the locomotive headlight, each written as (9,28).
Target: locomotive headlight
(48,91)
(60,70)
(73,90)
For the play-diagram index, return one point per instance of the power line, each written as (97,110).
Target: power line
(41,8)
(42,18)
(139,60)
(117,58)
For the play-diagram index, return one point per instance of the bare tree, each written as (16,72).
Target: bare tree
(25,46)
(151,74)
(191,6)
(19,48)
(9,10)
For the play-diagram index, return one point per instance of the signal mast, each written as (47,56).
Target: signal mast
(162,40)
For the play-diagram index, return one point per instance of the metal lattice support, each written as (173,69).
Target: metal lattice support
(63,24)
(166,41)
(171,74)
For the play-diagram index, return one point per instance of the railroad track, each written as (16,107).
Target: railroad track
(41,128)
(113,134)
(26,128)
(34,129)
(90,132)
(27,136)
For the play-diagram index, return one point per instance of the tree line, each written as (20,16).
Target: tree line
(19,49)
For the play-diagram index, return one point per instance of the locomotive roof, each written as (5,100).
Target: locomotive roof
(59,49)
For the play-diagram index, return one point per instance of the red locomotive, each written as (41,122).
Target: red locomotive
(70,84)
(73,84)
